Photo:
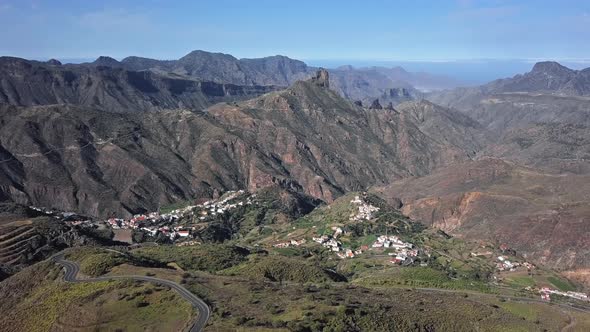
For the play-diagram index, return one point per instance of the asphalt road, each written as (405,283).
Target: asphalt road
(72,269)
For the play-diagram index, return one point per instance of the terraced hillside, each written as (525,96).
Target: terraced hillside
(28,235)
(15,241)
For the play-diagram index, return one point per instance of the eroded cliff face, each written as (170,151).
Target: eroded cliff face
(542,215)
(446,213)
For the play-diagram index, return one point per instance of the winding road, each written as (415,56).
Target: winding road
(72,269)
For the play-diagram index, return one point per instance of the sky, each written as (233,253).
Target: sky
(418,33)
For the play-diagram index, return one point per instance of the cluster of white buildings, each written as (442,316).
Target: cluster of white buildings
(546,294)
(365,211)
(328,242)
(346,253)
(139,221)
(403,256)
(213,208)
(391,241)
(331,242)
(155,223)
(503,264)
(188,243)
(291,243)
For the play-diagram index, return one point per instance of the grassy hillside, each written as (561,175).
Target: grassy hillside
(280,269)
(36,300)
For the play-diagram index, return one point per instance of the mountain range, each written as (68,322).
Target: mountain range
(350,82)
(78,158)
(123,137)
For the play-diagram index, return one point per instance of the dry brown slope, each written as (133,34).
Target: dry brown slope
(543,215)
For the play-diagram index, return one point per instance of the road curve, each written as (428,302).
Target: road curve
(72,269)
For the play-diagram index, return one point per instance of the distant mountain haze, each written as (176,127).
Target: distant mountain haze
(353,83)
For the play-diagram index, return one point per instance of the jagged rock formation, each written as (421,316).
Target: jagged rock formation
(321,78)
(375,105)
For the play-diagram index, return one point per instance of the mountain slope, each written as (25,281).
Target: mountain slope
(29,83)
(354,147)
(543,215)
(224,68)
(306,138)
(544,78)
(352,83)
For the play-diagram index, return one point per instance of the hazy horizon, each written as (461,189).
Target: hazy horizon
(471,41)
(465,71)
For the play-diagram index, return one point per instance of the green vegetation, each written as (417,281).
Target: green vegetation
(525,310)
(208,257)
(303,288)
(253,305)
(282,269)
(99,264)
(521,281)
(561,284)
(423,277)
(35,300)
(95,261)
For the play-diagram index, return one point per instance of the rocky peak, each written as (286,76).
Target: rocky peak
(321,78)
(106,61)
(550,68)
(375,105)
(389,107)
(398,92)
(53,62)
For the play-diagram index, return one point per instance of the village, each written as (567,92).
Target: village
(180,225)
(546,293)
(168,225)
(365,211)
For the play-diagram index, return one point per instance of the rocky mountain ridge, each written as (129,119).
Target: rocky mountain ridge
(306,137)
(350,82)
(114,89)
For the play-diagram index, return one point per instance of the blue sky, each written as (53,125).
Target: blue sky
(337,31)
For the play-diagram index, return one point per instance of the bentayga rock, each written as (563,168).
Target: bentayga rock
(375,105)
(321,78)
